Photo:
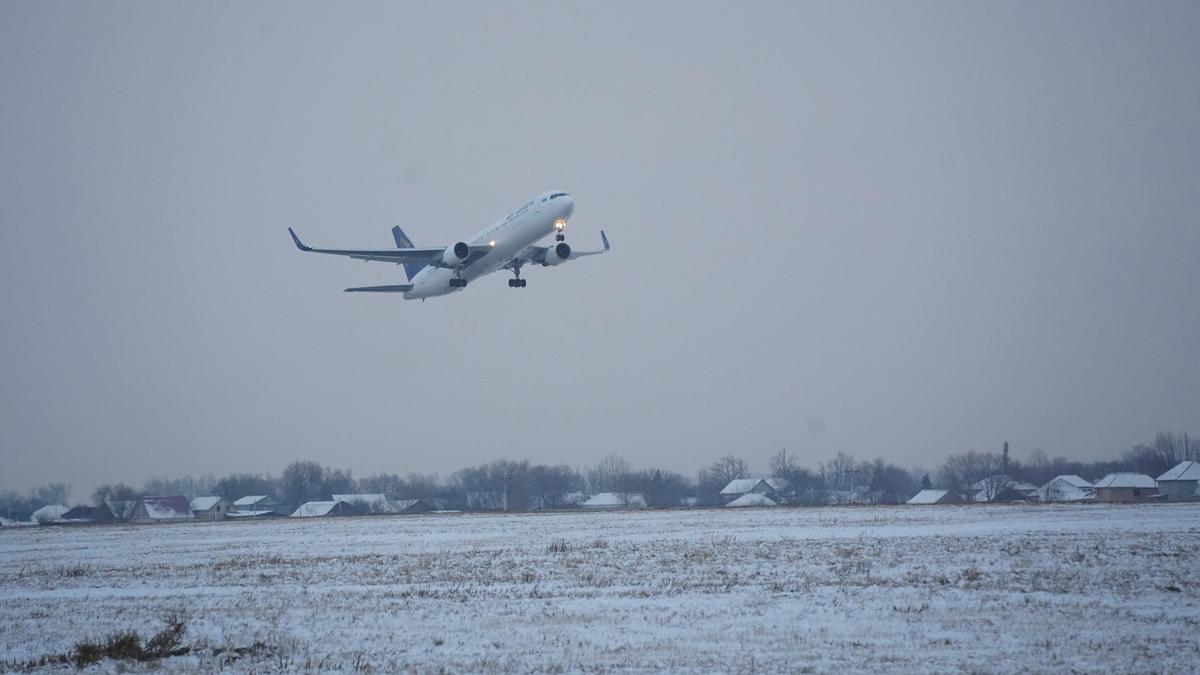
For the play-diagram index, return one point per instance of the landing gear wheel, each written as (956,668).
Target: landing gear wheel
(458,283)
(560,237)
(521,283)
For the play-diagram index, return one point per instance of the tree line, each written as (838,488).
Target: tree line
(523,485)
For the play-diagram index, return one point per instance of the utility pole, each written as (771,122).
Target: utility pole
(506,479)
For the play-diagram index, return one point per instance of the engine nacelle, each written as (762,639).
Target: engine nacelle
(557,254)
(456,255)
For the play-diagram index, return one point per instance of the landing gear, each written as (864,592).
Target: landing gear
(516,281)
(560,237)
(458,283)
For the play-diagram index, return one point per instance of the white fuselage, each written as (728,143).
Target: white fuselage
(508,237)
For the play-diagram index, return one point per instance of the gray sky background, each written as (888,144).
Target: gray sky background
(933,226)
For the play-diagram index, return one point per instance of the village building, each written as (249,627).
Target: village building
(1126,487)
(1066,488)
(615,500)
(253,515)
(324,509)
(773,488)
(1181,483)
(752,499)
(161,510)
(49,514)
(88,514)
(211,508)
(410,506)
(930,497)
(366,503)
(258,503)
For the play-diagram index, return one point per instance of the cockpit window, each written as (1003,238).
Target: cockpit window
(556,195)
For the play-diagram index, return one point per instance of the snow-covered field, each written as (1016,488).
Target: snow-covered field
(977,588)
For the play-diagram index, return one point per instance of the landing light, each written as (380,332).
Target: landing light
(560,224)
(492,242)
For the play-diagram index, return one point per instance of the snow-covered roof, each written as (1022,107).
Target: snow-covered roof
(1189,470)
(614,500)
(51,513)
(205,503)
(741,486)
(928,497)
(1071,479)
(315,509)
(402,505)
(778,484)
(752,499)
(1023,486)
(251,500)
(167,508)
(374,502)
(1126,480)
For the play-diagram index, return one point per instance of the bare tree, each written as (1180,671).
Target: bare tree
(612,474)
(960,472)
(802,485)
(729,467)
(113,493)
(836,471)
(302,482)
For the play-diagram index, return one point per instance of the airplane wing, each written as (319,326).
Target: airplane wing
(428,256)
(397,288)
(537,254)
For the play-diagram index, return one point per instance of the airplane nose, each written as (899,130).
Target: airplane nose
(568,207)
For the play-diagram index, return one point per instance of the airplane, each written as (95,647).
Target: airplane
(507,244)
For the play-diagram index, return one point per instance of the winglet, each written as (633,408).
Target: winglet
(603,238)
(299,244)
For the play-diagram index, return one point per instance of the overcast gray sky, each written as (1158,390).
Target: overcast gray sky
(932,227)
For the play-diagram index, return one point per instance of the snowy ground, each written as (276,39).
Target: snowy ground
(978,588)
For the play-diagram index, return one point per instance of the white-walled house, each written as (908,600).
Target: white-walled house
(1066,488)
(1181,482)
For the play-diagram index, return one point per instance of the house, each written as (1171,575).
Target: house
(211,508)
(1066,488)
(773,488)
(253,515)
(1126,487)
(88,514)
(615,500)
(410,506)
(752,499)
(324,509)
(161,510)
(1181,483)
(366,503)
(930,497)
(261,503)
(49,514)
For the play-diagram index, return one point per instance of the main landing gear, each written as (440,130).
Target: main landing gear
(456,282)
(516,281)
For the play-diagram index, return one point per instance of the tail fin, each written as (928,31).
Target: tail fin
(402,241)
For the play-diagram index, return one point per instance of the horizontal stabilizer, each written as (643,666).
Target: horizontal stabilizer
(398,288)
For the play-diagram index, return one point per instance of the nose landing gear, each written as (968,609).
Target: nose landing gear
(560,225)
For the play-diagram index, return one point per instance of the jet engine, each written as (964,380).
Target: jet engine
(456,255)
(557,254)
